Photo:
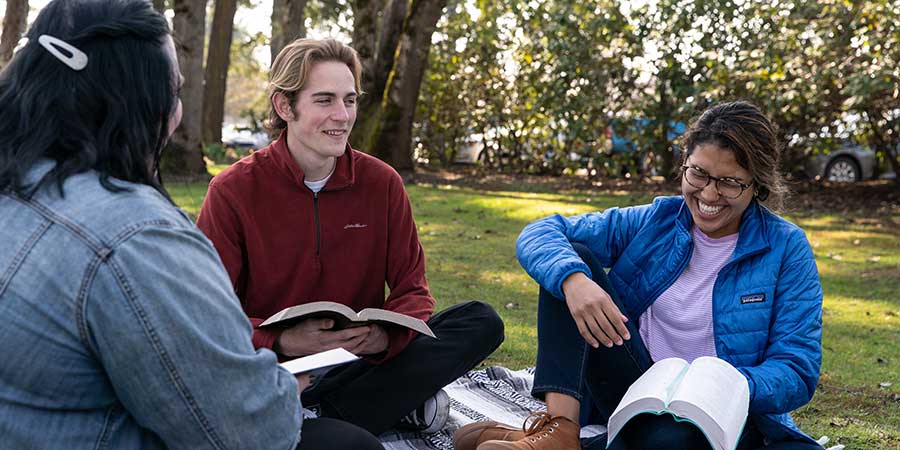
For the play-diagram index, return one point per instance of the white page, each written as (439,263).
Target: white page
(319,360)
(720,391)
(655,384)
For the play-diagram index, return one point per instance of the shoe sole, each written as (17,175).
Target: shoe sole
(443,414)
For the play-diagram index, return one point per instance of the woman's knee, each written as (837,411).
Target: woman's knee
(650,432)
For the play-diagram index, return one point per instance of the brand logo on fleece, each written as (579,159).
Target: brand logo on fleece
(753,298)
(355,225)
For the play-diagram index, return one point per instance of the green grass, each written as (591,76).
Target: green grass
(469,238)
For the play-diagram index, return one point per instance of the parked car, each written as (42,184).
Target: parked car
(243,139)
(470,151)
(851,162)
(624,144)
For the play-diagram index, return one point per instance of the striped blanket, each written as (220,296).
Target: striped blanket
(495,393)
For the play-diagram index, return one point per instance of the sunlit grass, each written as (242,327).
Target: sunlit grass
(469,238)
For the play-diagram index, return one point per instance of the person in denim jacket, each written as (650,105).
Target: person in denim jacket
(711,272)
(121,330)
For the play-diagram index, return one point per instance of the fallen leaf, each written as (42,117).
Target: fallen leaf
(856,242)
(511,305)
(837,257)
(874,259)
(839,422)
(884,385)
(881,361)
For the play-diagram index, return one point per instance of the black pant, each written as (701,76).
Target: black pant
(600,377)
(331,434)
(375,397)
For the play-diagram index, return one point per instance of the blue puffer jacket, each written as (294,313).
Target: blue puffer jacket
(767,300)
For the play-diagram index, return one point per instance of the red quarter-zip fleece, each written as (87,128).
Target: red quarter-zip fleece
(283,245)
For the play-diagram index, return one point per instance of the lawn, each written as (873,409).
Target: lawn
(469,238)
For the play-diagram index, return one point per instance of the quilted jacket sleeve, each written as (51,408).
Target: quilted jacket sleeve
(545,251)
(787,377)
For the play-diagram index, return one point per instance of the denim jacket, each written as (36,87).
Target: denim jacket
(121,331)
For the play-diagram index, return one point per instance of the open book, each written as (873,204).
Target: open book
(709,393)
(318,364)
(344,316)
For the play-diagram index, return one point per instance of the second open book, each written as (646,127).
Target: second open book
(344,317)
(709,393)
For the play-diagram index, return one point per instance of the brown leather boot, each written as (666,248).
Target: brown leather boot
(544,433)
(472,435)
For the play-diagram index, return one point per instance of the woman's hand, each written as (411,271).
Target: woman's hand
(594,312)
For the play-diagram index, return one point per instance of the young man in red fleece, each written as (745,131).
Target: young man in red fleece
(308,219)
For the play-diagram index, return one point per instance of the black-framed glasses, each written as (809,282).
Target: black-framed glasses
(726,187)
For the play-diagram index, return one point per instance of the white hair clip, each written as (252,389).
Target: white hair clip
(77,61)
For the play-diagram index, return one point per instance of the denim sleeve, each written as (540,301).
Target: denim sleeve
(162,319)
(544,248)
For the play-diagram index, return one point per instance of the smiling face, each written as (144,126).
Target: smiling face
(714,215)
(324,111)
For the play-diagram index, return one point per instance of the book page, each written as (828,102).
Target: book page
(717,397)
(650,392)
(322,309)
(318,361)
(390,317)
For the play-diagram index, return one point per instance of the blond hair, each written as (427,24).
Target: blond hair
(291,68)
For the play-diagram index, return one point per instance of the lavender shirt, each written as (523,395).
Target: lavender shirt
(679,323)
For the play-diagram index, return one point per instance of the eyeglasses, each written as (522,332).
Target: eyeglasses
(726,187)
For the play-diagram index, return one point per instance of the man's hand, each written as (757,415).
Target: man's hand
(595,313)
(376,341)
(315,335)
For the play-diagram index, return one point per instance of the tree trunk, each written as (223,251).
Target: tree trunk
(365,28)
(184,157)
(393,22)
(392,138)
(890,150)
(13,25)
(288,24)
(382,42)
(218,59)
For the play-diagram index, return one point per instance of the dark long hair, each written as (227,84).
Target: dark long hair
(111,117)
(743,128)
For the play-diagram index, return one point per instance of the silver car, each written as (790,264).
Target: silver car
(851,162)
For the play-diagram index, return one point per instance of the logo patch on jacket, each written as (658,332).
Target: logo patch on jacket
(753,298)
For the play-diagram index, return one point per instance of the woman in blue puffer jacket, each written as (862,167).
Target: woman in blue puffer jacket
(709,273)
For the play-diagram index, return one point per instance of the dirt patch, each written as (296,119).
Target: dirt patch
(876,198)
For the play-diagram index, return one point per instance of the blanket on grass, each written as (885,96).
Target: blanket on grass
(494,393)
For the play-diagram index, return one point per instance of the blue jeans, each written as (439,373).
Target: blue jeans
(598,378)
